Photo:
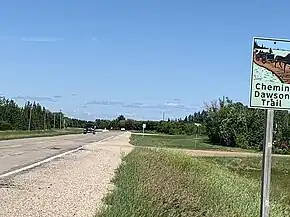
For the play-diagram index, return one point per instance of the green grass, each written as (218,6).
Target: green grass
(159,183)
(250,168)
(180,141)
(6,135)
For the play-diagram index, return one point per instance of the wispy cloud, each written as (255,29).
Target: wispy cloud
(129,114)
(57,96)
(172,104)
(40,39)
(83,106)
(35,98)
(140,105)
(165,106)
(136,105)
(104,102)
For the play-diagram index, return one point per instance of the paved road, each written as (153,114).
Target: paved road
(17,153)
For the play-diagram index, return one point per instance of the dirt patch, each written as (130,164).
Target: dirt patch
(214,153)
(220,153)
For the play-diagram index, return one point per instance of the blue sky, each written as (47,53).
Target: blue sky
(97,59)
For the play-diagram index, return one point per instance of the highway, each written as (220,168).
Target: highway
(15,154)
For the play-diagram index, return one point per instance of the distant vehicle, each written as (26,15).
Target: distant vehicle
(89,129)
(123,129)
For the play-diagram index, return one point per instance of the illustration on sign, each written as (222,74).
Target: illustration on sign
(270,77)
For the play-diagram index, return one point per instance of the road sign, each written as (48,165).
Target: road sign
(270,76)
(144,126)
(270,90)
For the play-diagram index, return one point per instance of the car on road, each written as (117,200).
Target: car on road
(89,129)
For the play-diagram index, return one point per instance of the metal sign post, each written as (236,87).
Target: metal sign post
(266,172)
(196,132)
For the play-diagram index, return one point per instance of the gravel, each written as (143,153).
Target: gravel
(70,186)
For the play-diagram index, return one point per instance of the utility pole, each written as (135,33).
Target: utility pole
(29,121)
(163,116)
(53,120)
(44,120)
(60,120)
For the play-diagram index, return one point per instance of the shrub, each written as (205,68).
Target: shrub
(4,126)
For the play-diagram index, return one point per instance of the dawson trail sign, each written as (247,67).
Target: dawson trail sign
(270,75)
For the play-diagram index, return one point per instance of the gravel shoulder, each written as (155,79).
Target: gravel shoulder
(70,186)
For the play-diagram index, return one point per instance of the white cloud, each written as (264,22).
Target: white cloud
(130,114)
(140,105)
(35,98)
(171,104)
(40,39)
(57,96)
(104,102)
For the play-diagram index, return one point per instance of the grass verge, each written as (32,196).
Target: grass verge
(152,182)
(7,135)
(180,141)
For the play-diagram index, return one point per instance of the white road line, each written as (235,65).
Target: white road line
(38,163)
(48,159)
(107,138)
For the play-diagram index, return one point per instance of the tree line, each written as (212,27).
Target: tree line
(190,125)
(224,122)
(33,116)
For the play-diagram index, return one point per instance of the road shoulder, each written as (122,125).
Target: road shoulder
(69,186)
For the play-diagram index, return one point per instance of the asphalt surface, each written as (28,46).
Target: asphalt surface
(18,153)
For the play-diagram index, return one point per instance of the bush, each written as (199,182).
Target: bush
(235,125)
(4,126)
